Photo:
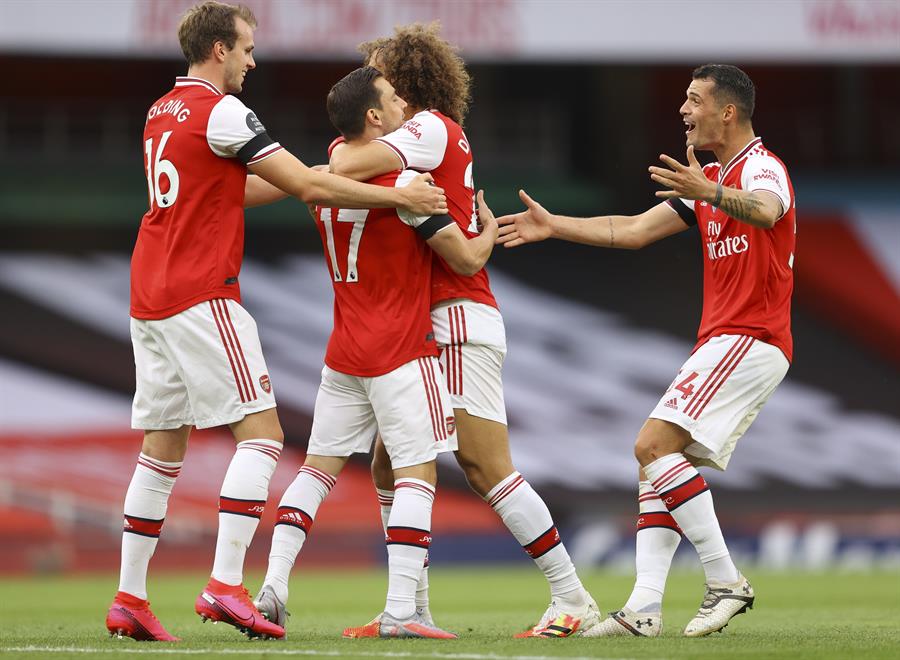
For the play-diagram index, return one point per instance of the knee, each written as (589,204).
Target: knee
(647,450)
(382,473)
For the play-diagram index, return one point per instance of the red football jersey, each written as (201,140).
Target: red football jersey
(380,268)
(748,275)
(197,145)
(431,142)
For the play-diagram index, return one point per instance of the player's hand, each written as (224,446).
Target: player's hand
(529,226)
(687,181)
(485,216)
(422,197)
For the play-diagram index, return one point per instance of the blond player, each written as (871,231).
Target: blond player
(196,350)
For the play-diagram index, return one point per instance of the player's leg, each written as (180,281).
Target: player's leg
(162,409)
(297,511)
(474,372)
(656,541)
(146,502)
(712,402)
(343,423)
(215,348)
(416,423)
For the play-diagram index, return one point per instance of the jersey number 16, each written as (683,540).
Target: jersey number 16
(155,170)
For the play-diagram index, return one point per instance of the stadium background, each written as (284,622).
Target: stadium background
(572,101)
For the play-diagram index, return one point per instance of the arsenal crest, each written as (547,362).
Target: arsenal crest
(265,383)
(451,424)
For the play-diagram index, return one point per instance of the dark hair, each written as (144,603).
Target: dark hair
(425,69)
(205,24)
(732,86)
(350,99)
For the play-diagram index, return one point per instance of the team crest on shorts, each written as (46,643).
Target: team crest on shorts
(451,424)
(265,383)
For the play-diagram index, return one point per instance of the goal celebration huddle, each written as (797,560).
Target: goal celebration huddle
(414,363)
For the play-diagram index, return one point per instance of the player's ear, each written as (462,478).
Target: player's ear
(219,50)
(373,117)
(729,112)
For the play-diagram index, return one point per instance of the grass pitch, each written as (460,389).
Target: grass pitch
(829,615)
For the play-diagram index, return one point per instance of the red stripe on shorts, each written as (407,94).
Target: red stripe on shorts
(225,344)
(436,390)
(715,378)
(460,330)
(237,340)
(429,396)
(742,354)
(543,544)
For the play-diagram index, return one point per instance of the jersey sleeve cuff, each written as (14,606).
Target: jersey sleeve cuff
(433,225)
(257,148)
(683,211)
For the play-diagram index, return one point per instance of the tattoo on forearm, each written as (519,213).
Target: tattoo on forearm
(742,207)
(612,234)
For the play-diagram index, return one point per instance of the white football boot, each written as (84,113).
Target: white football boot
(270,606)
(557,622)
(626,622)
(721,603)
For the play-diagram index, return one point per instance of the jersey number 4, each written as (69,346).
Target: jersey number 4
(156,168)
(358,218)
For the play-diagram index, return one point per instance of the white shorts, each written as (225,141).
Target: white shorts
(409,406)
(718,393)
(472,340)
(201,367)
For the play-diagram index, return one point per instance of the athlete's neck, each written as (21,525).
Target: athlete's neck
(209,71)
(733,144)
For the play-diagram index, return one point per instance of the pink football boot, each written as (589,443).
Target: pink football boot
(131,617)
(232,604)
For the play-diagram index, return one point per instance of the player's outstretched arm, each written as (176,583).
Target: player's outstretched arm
(758,208)
(285,171)
(467,256)
(259,192)
(362,162)
(629,232)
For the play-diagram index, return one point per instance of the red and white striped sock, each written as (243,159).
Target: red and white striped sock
(527,517)
(385,502)
(146,502)
(296,513)
(657,539)
(685,494)
(408,539)
(241,504)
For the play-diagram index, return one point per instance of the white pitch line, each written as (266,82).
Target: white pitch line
(301,652)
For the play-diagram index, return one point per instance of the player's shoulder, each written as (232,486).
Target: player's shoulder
(231,103)
(712,169)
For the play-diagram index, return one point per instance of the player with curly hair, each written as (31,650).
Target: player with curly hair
(429,74)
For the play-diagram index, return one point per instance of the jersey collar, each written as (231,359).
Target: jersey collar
(185,81)
(734,161)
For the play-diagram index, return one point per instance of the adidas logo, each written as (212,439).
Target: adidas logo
(672,403)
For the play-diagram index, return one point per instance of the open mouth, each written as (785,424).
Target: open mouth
(690,127)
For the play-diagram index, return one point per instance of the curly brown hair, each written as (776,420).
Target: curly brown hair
(426,70)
